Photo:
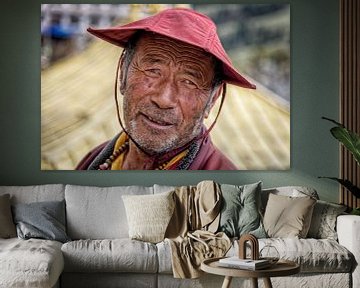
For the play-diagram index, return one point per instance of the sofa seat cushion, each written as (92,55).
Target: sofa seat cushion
(110,255)
(30,263)
(164,257)
(109,280)
(313,255)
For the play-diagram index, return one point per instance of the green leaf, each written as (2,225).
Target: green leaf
(355,211)
(347,184)
(348,138)
(333,121)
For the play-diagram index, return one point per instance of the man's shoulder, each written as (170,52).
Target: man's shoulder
(90,156)
(211,158)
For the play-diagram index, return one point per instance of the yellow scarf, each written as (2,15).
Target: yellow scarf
(118,162)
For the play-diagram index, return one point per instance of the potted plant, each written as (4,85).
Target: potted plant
(351,141)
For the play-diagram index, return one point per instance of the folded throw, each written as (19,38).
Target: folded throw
(191,231)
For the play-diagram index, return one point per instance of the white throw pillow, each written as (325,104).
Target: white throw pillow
(149,215)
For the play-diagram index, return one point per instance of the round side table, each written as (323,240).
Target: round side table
(281,268)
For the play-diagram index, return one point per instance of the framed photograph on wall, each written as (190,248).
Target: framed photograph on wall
(165,86)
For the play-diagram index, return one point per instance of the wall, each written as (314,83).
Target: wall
(314,93)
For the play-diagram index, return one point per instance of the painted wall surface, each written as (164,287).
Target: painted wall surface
(314,92)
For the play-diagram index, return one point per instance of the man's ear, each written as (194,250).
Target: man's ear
(122,77)
(216,95)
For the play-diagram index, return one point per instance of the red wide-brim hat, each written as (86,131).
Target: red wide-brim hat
(181,24)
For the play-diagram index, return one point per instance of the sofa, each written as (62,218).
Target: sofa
(99,253)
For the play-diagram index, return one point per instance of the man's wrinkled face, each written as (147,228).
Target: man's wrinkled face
(167,93)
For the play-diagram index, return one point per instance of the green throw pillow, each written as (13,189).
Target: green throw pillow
(240,213)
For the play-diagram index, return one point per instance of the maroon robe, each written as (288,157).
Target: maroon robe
(208,158)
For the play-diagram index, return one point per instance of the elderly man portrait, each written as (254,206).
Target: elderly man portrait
(172,71)
(180,102)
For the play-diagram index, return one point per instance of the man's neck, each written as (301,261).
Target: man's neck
(135,159)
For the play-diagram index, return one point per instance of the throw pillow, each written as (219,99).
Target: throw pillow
(240,210)
(44,220)
(7,226)
(323,222)
(149,215)
(287,217)
(291,191)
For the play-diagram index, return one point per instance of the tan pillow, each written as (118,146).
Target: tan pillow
(148,215)
(7,226)
(288,217)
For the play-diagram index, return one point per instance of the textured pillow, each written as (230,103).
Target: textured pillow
(149,215)
(323,222)
(288,217)
(44,220)
(7,226)
(240,210)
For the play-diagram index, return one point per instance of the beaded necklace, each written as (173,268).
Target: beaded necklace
(107,164)
(117,152)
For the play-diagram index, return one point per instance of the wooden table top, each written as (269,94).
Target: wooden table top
(281,268)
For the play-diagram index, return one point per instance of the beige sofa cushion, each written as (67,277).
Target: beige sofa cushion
(291,191)
(30,263)
(117,255)
(313,255)
(287,216)
(98,213)
(149,215)
(109,280)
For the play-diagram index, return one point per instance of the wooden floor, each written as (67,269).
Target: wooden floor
(78,112)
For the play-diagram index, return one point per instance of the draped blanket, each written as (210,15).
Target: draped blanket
(191,232)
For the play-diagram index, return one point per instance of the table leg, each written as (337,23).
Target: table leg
(267,283)
(227,282)
(254,282)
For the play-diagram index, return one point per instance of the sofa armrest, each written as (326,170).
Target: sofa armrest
(348,230)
